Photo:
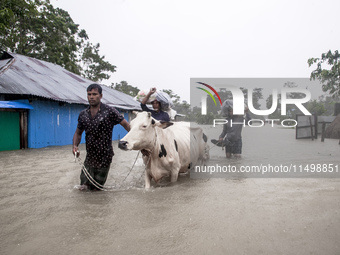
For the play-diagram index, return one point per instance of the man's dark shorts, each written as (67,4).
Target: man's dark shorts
(98,174)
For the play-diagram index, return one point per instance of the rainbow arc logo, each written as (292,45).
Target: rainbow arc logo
(208,92)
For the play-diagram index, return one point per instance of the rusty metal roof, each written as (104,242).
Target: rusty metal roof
(23,75)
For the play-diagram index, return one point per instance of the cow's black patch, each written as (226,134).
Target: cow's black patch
(153,122)
(205,138)
(176,145)
(162,152)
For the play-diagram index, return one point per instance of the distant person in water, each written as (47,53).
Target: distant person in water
(231,137)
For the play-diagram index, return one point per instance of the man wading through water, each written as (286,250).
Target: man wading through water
(97,121)
(231,137)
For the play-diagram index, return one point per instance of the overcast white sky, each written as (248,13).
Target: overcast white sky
(164,43)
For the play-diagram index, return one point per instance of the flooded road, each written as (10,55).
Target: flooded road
(41,212)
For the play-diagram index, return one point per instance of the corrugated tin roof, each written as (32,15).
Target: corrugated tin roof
(28,76)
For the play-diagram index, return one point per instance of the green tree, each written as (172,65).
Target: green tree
(36,29)
(329,103)
(94,66)
(323,106)
(124,87)
(174,97)
(12,9)
(181,107)
(315,107)
(329,77)
(291,110)
(205,119)
(277,113)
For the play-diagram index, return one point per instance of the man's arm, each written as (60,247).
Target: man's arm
(125,125)
(76,140)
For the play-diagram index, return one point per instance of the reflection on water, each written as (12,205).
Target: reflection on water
(273,153)
(41,213)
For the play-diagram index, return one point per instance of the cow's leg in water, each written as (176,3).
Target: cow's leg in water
(174,175)
(147,180)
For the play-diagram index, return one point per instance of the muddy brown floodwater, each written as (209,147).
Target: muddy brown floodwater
(41,212)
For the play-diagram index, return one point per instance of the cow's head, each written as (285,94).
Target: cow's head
(142,132)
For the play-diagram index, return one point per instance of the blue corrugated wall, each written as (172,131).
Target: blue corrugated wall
(52,124)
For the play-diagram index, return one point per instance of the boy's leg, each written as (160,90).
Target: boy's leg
(237,148)
(228,151)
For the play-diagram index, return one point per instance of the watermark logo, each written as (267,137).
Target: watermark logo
(207,91)
(238,100)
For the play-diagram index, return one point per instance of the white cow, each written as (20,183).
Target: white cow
(173,147)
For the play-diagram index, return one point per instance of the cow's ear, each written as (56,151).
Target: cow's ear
(164,124)
(149,114)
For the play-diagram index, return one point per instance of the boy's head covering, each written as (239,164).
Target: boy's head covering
(226,107)
(229,104)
